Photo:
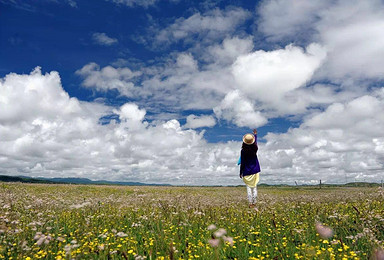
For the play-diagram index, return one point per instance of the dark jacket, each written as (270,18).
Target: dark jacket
(249,162)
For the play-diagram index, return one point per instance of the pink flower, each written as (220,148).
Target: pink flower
(378,254)
(324,231)
(228,239)
(41,241)
(220,232)
(214,242)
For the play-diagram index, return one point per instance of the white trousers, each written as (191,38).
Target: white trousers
(252,194)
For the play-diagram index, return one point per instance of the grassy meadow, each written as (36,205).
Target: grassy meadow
(40,221)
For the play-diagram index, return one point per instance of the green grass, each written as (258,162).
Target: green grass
(116,222)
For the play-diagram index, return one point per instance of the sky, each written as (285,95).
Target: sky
(162,91)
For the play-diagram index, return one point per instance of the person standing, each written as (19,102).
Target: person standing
(249,166)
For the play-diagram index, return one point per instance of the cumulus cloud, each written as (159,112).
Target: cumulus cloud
(33,98)
(232,83)
(351,31)
(344,143)
(324,78)
(269,76)
(103,39)
(47,133)
(358,114)
(239,110)
(194,121)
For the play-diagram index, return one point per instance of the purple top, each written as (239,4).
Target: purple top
(249,162)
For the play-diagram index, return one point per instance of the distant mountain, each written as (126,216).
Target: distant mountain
(88,181)
(26,179)
(362,184)
(5,178)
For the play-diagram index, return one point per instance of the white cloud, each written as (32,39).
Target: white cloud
(269,76)
(194,121)
(270,80)
(239,110)
(24,96)
(134,3)
(30,6)
(180,85)
(362,116)
(46,133)
(355,40)
(227,51)
(281,19)
(109,78)
(103,39)
(350,30)
(212,25)
(131,115)
(343,143)
(131,112)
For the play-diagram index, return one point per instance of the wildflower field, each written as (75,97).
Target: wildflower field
(40,221)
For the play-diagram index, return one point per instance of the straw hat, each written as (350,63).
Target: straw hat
(249,138)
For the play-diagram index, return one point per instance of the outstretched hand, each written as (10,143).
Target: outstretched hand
(255,131)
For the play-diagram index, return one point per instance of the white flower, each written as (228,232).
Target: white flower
(121,234)
(212,227)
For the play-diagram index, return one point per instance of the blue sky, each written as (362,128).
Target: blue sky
(89,87)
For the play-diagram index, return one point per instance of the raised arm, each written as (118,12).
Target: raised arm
(255,134)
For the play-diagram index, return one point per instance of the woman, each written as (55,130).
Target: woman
(249,166)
